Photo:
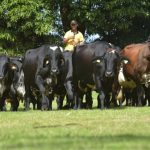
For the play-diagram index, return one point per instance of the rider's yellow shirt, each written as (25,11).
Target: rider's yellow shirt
(71,43)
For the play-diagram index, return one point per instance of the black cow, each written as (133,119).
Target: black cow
(18,81)
(7,71)
(64,85)
(95,65)
(17,87)
(41,67)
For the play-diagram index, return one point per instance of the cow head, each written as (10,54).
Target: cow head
(111,58)
(54,59)
(108,62)
(6,66)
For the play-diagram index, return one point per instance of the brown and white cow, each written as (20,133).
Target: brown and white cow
(137,71)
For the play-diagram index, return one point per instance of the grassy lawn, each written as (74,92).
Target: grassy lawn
(126,128)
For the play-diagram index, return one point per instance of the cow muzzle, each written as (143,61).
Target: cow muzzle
(109,74)
(54,71)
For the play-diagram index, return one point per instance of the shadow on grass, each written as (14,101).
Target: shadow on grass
(57,126)
(93,108)
(84,142)
(118,107)
(107,138)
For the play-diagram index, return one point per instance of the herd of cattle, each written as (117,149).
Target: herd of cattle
(48,72)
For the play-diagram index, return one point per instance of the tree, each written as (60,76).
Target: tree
(28,23)
(24,23)
(120,22)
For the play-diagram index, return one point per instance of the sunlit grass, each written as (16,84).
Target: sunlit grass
(126,128)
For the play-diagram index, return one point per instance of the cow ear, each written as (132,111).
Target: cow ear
(97,60)
(125,60)
(20,59)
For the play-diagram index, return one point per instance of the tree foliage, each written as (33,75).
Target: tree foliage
(117,21)
(28,23)
(24,23)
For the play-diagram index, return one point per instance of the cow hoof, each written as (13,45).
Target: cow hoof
(45,108)
(26,109)
(13,109)
(102,108)
(39,106)
(75,108)
(3,109)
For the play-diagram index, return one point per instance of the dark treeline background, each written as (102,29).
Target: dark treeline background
(27,24)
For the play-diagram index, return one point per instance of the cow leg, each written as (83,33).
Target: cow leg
(2,104)
(45,101)
(140,93)
(89,100)
(148,100)
(134,97)
(146,89)
(39,104)
(133,103)
(75,101)
(69,91)
(101,100)
(100,90)
(126,93)
(15,102)
(114,101)
(69,103)
(2,100)
(33,100)
(107,100)
(51,98)
(80,101)
(59,100)
(148,96)
(50,104)
(27,97)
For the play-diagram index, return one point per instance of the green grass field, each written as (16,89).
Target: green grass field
(125,128)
